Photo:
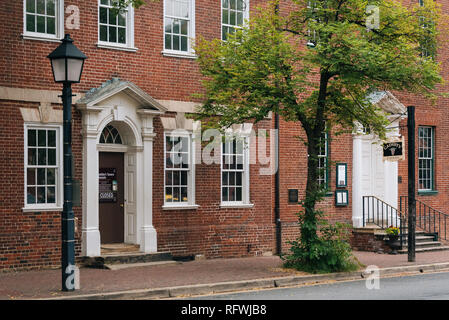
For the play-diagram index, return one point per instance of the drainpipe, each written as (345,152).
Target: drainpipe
(277,218)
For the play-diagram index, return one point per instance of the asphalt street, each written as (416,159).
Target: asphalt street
(433,286)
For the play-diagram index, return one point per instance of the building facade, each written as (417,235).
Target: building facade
(144,176)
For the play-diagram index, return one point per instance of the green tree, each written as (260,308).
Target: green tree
(266,66)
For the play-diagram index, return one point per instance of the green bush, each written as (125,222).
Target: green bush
(330,251)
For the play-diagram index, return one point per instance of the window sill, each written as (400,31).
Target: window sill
(42,209)
(236,206)
(180,207)
(427,192)
(113,47)
(179,54)
(40,38)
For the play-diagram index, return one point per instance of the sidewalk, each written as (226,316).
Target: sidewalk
(190,275)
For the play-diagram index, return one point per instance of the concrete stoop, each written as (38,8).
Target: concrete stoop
(105,261)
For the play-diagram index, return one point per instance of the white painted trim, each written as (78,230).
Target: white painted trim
(191,36)
(129,45)
(59,25)
(44,209)
(245,17)
(59,179)
(180,207)
(225,205)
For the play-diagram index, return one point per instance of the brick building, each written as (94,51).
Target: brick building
(129,124)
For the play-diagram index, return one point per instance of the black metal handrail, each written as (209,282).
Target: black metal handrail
(428,219)
(383,215)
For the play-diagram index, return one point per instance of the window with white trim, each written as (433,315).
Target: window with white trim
(233,15)
(322,161)
(235,171)
(43,19)
(115,28)
(426,153)
(178,25)
(43,179)
(178,169)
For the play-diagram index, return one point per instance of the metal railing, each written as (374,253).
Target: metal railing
(428,219)
(383,215)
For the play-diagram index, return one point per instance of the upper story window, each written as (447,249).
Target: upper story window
(43,179)
(179,26)
(234,13)
(43,19)
(115,29)
(322,161)
(426,156)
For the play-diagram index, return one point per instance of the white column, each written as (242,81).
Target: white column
(148,235)
(357,206)
(90,228)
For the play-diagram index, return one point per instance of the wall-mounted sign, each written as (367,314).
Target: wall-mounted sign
(342,173)
(293,195)
(393,149)
(341,198)
(107,185)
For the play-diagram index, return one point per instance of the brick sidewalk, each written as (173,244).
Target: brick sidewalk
(46,283)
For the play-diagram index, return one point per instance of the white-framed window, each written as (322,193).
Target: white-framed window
(426,154)
(179,170)
(43,19)
(43,163)
(179,27)
(322,160)
(235,171)
(115,30)
(312,35)
(233,16)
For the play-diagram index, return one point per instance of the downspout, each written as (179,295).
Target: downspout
(277,216)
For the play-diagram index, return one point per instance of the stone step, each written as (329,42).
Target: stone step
(440,248)
(425,244)
(125,258)
(421,239)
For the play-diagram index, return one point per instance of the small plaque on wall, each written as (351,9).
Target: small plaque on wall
(341,198)
(342,173)
(293,195)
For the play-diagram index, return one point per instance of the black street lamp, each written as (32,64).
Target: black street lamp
(67,65)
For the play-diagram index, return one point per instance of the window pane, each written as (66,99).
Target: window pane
(184,10)
(31,23)
(32,157)
(51,176)
(176,194)
(231,195)
(112,18)
(105,2)
(41,24)
(31,195)
(41,176)
(168,178)
(51,7)
(32,138)
(240,5)
(232,18)
(51,23)
(168,194)
(103,15)
(175,42)
(183,43)
(42,138)
(238,194)
(112,34)
(40,194)
(238,178)
(42,157)
(51,198)
(176,27)
(225,16)
(31,6)
(51,138)
(122,19)
(224,32)
(103,33)
(184,194)
(122,35)
(233,4)
(239,18)
(225,3)
(41,6)
(224,194)
(176,178)
(184,178)
(31,177)
(167,41)
(184,27)
(232,178)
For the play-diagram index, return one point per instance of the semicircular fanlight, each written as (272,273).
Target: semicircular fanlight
(110,135)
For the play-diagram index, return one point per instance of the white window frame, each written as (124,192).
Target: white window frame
(323,154)
(59,25)
(129,45)
(190,203)
(430,159)
(245,202)
(245,18)
(58,205)
(190,36)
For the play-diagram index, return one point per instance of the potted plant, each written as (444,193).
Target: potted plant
(393,238)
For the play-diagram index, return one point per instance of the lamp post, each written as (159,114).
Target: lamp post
(67,65)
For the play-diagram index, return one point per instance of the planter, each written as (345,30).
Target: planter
(394,243)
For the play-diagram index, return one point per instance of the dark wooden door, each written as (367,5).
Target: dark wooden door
(111,197)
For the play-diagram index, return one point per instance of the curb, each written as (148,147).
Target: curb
(267,283)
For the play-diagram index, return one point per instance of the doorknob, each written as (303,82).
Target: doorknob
(121,205)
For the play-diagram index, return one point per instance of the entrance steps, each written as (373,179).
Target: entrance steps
(113,255)
(423,243)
